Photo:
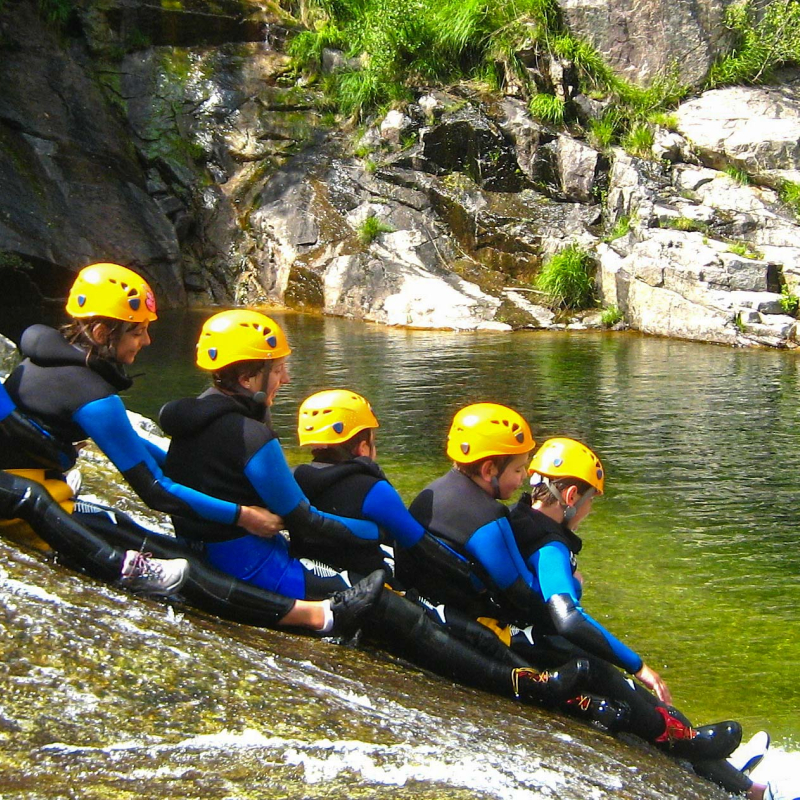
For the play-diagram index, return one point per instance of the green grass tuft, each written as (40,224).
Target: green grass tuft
(547,108)
(639,140)
(737,174)
(565,278)
(790,303)
(610,316)
(371,228)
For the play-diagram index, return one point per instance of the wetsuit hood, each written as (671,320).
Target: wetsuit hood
(46,347)
(190,415)
(534,530)
(318,477)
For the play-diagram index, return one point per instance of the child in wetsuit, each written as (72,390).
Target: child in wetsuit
(489,445)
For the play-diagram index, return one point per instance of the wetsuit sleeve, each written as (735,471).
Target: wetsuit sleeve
(159,455)
(270,476)
(384,506)
(106,422)
(493,546)
(552,566)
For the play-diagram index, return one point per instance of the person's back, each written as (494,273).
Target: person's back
(213,437)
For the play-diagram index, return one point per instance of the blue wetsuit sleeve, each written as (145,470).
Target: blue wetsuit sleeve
(106,422)
(551,565)
(270,476)
(159,455)
(494,547)
(384,506)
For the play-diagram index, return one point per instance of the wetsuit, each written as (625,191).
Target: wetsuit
(359,489)
(56,397)
(455,509)
(440,638)
(550,551)
(72,400)
(222,445)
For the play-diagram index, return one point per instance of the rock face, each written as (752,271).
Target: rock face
(644,39)
(72,190)
(178,141)
(754,128)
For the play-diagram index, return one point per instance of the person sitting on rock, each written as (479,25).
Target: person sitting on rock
(223,443)
(566,476)
(66,390)
(490,445)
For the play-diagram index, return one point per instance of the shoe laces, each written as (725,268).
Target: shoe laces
(527,673)
(582,701)
(674,730)
(143,566)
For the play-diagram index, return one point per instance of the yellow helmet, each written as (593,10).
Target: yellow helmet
(109,290)
(566,458)
(487,429)
(333,417)
(239,335)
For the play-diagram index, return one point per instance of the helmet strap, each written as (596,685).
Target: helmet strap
(569,511)
(495,483)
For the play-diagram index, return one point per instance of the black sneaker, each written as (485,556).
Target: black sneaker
(350,605)
(551,687)
(611,714)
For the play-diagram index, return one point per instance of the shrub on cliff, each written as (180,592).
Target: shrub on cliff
(766,38)
(565,278)
(406,40)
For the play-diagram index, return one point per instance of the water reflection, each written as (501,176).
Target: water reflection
(693,553)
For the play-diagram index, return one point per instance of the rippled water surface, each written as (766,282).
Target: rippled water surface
(693,553)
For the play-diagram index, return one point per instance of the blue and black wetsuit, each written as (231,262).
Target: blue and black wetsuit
(476,527)
(435,636)
(56,397)
(73,399)
(550,551)
(457,510)
(358,488)
(222,445)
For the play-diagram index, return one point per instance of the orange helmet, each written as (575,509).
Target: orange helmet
(487,429)
(566,458)
(239,335)
(333,417)
(109,290)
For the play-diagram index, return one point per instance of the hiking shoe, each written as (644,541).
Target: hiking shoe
(550,687)
(776,792)
(350,605)
(746,757)
(705,742)
(143,574)
(611,714)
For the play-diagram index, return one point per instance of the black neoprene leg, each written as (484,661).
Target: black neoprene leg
(25,499)
(474,634)
(206,588)
(605,680)
(405,629)
(723,774)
